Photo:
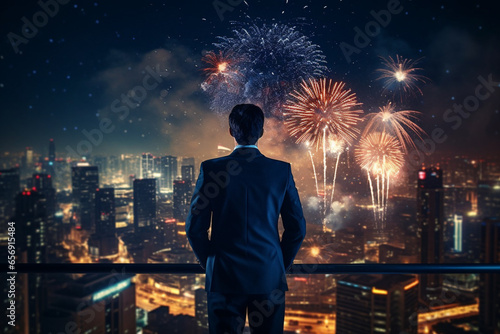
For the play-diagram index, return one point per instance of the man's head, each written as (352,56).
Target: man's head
(246,123)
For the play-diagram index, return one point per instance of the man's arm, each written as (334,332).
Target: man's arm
(198,221)
(293,223)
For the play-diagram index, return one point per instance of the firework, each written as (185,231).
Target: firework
(274,58)
(381,155)
(224,82)
(321,110)
(222,69)
(323,115)
(400,76)
(397,123)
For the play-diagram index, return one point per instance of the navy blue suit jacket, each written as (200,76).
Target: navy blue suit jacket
(241,196)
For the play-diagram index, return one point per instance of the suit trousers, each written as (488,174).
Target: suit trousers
(227,312)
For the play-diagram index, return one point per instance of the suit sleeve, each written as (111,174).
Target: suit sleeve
(198,220)
(293,222)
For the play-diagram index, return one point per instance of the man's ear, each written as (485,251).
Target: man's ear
(261,133)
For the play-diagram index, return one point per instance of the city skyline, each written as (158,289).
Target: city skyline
(388,111)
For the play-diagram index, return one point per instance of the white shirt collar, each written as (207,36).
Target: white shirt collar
(245,146)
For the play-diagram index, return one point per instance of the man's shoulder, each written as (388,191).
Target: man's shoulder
(209,163)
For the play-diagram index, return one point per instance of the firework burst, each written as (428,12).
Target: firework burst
(381,155)
(321,110)
(397,123)
(274,58)
(323,115)
(379,152)
(400,76)
(222,69)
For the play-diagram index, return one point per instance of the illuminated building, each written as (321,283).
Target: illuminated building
(94,303)
(42,183)
(457,235)
(182,199)
(377,304)
(52,151)
(168,171)
(200,306)
(147,166)
(488,198)
(489,284)
(430,219)
(9,187)
(144,203)
(52,157)
(85,181)
(104,243)
(30,226)
(187,170)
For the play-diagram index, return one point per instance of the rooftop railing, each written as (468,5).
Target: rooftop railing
(311,268)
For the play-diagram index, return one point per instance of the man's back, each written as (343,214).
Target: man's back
(245,193)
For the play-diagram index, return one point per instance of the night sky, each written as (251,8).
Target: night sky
(66,77)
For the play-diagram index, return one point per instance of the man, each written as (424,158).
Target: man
(239,197)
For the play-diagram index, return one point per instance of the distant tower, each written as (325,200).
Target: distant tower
(85,181)
(9,187)
(430,219)
(144,204)
(103,242)
(182,199)
(52,151)
(168,171)
(201,312)
(187,170)
(147,166)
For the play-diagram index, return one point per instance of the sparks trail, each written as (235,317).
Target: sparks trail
(381,155)
(400,76)
(397,123)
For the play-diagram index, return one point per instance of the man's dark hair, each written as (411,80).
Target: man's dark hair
(246,122)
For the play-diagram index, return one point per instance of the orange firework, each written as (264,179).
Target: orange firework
(379,153)
(394,122)
(322,110)
(400,75)
(221,70)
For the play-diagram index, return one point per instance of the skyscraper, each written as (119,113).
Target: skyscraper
(9,187)
(105,211)
(201,311)
(430,219)
(103,242)
(30,223)
(187,170)
(147,166)
(52,151)
(489,284)
(377,304)
(94,303)
(488,198)
(42,183)
(144,204)
(182,199)
(85,181)
(168,171)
